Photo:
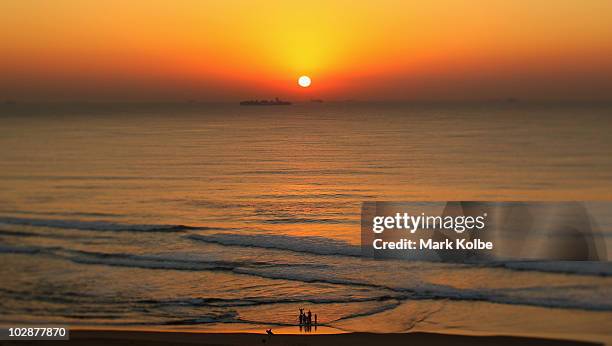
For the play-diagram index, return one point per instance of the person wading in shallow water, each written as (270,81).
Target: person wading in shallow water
(306,321)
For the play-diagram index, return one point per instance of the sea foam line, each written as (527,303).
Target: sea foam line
(309,244)
(325,246)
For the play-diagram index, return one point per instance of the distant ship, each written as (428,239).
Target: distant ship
(275,102)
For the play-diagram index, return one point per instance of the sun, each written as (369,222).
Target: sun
(304,81)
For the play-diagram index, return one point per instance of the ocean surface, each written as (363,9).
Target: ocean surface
(221,217)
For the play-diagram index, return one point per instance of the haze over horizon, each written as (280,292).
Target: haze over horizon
(207,51)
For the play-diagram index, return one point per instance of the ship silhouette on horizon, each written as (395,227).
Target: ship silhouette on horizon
(275,102)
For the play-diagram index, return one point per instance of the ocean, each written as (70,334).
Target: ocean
(219,217)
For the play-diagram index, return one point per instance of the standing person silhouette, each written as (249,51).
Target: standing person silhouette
(309,318)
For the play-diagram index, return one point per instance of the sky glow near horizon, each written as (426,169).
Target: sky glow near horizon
(382,50)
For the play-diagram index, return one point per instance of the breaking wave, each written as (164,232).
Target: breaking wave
(555,297)
(327,246)
(97,225)
(310,244)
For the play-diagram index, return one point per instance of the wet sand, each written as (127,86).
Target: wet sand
(136,338)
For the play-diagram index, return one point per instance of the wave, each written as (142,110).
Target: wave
(425,291)
(555,298)
(255,301)
(315,196)
(298,220)
(66,213)
(120,259)
(545,296)
(309,244)
(169,261)
(4,232)
(226,317)
(144,261)
(326,246)
(98,225)
(568,267)
(21,249)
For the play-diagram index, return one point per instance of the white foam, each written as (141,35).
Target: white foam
(310,244)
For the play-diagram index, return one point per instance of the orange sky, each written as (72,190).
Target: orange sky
(369,50)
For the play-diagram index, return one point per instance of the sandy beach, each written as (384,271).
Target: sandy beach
(98,337)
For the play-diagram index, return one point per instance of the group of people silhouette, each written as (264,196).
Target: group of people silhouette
(306,320)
